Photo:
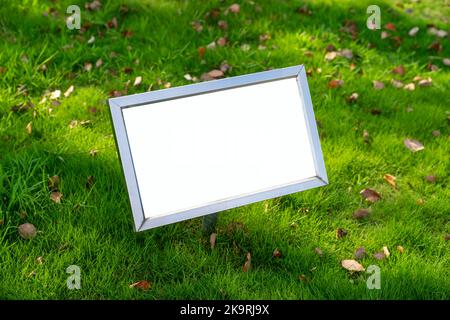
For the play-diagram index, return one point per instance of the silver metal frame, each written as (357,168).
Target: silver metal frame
(117,104)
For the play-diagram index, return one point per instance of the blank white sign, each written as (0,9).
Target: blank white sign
(209,151)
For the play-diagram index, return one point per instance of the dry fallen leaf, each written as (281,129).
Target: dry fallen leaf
(318,251)
(386,252)
(99,63)
(222,24)
(329,56)
(410,86)
(235,8)
(197,26)
(221,42)
(378,85)
(55,94)
(142,285)
(248,262)
(69,91)
(361,213)
(397,84)
(353,97)
(277,253)
(379,255)
(399,70)
(137,81)
(87,66)
(53,183)
(27,231)
(346,53)
(212,240)
(370,195)
(336,83)
(431,178)
(56,196)
(340,233)
(413,31)
(352,265)
(201,52)
(413,145)
(400,249)
(89,182)
(390,26)
(390,179)
(360,253)
(425,82)
(29,127)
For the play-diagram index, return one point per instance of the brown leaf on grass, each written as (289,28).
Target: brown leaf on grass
(53,183)
(302,278)
(390,26)
(197,26)
(432,67)
(112,24)
(399,70)
(431,178)
(352,265)
(366,137)
(385,35)
(340,233)
(386,252)
(29,128)
(221,42)
(93,6)
(379,255)
(99,63)
(436,133)
(56,196)
(330,56)
(361,213)
(277,253)
(425,82)
(335,83)
(248,262)
(447,237)
(127,33)
(390,179)
(353,97)
(201,52)
(413,145)
(137,81)
(93,152)
(222,24)
(420,202)
(304,10)
(142,285)
(397,84)
(435,46)
(3,69)
(330,48)
(410,86)
(318,251)
(370,195)
(87,66)
(346,53)
(360,253)
(69,91)
(378,85)
(212,240)
(89,182)
(413,31)
(235,8)
(27,231)
(400,249)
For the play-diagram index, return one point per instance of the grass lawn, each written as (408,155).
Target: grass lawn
(362,141)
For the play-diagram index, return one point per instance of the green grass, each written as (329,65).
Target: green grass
(92,228)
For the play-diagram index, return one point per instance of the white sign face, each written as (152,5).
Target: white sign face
(203,148)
